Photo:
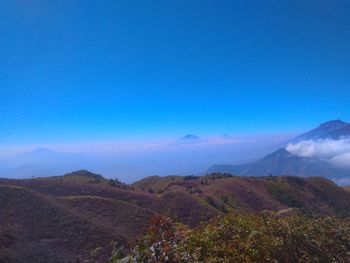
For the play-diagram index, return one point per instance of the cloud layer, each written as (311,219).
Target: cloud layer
(335,151)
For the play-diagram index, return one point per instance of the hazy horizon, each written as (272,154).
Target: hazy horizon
(116,84)
(133,160)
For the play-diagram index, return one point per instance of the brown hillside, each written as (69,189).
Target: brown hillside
(159,203)
(126,219)
(186,208)
(50,218)
(254,194)
(122,213)
(35,228)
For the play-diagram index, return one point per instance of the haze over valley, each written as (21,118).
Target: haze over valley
(323,151)
(130,162)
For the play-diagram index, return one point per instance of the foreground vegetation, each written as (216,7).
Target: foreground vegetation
(286,236)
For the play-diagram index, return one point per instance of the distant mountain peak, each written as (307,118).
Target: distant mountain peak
(279,154)
(190,137)
(282,151)
(323,131)
(188,140)
(334,123)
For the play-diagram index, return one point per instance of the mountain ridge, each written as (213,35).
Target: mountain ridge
(322,131)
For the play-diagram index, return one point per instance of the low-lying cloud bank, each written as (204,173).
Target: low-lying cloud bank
(335,151)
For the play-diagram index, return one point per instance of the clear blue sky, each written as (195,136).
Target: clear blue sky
(99,70)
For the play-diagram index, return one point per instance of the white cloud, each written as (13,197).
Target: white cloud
(341,181)
(335,151)
(342,160)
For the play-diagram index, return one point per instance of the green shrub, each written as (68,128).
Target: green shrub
(248,238)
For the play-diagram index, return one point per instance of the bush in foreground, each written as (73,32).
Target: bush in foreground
(247,238)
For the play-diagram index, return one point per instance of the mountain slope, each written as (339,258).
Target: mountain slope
(38,229)
(282,162)
(126,219)
(339,133)
(322,131)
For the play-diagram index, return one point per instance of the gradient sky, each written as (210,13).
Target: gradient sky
(98,70)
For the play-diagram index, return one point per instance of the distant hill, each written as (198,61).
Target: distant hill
(231,193)
(54,220)
(82,176)
(282,162)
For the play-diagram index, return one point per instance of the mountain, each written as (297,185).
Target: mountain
(189,139)
(39,155)
(282,162)
(325,130)
(40,162)
(72,219)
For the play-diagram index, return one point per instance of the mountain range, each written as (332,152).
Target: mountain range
(291,157)
(284,162)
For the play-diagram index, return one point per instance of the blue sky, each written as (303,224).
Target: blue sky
(103,70)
